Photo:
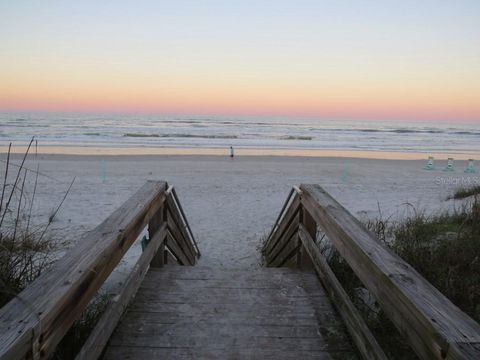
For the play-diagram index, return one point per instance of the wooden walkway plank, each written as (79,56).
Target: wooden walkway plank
(283,352)
(191,313)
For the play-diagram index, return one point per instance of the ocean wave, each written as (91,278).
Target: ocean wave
(370,130)
(433,131)
(139,135)
(210,136)
(395,131)
(293,137)
(405,131)
(474,133)
(13,124)
(181,121)
(142,135)
(413,131)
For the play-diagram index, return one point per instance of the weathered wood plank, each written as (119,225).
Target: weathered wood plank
(281,213)
(184,217)
(137,332)
(208,272)
(235,352)
(435,328)
(221,311)
(288,251)
(176,250)
(285,246)
(282,227)
(36,320)
(169,258)
(98,338)
(239,283)
(177,219)
(304,260)
(258,349)
(180,241)
(157,306)
(229,296)
(359,331)
(155,223)
(241,317)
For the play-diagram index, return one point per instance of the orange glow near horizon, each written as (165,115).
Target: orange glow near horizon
(176,60)
(261,101)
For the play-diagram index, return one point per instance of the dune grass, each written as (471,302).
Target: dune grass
(466,192)
(444,248)
(27,250)
(73,341)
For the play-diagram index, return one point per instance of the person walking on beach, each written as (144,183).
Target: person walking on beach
(232,153)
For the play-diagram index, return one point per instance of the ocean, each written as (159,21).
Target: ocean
(149,131)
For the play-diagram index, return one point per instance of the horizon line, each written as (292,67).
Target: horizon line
(240,115)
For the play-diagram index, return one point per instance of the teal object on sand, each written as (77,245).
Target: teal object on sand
(429,165)
(470,169)
(449,166)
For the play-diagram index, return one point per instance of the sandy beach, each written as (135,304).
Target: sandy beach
(229,203)
(235,104)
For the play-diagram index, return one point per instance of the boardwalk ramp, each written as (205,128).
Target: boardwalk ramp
(168,307)
(217,313)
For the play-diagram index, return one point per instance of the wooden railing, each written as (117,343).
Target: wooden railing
(35,321)
(433,326)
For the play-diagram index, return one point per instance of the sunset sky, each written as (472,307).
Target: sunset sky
(404,59)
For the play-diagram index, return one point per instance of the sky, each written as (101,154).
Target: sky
(349,59)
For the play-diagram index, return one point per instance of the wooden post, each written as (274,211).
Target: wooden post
(304,261)
(433,326)
(155,223)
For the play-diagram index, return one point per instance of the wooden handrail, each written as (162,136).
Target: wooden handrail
(279,217)
(98,338)
(179,243)
(184,219)
(34,322)
(433,326)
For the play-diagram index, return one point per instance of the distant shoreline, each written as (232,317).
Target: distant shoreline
(239,151)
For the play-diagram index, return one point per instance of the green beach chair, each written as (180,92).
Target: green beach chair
(429,165)
(470,169)
(449,166)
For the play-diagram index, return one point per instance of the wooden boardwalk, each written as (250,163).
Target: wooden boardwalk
(166,307)
(216,313)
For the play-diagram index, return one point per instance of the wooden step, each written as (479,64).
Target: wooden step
(218,313)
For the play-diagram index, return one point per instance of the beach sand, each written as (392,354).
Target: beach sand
(232,203)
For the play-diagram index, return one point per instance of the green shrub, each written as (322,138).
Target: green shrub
(465,192)
(444,248)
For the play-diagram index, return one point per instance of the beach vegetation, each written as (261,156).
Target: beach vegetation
(466,192)
(78,333)
(27,250)
(261,249)
(444,248)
